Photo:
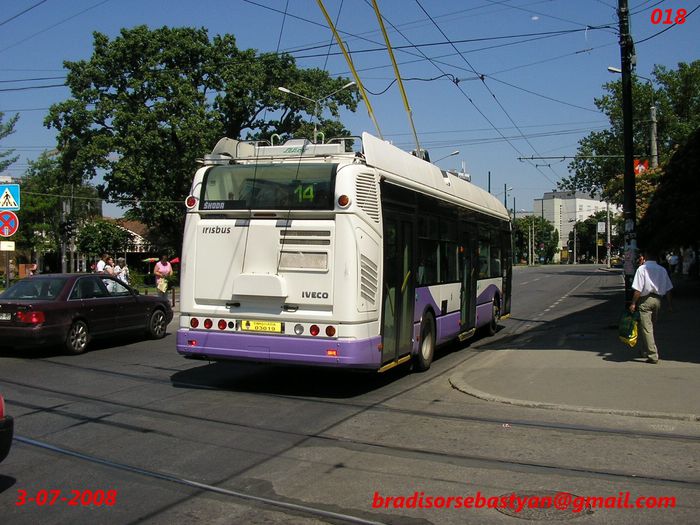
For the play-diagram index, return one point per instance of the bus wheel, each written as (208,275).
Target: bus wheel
(492,327)
(427,344)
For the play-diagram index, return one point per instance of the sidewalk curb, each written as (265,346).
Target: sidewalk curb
(459,384)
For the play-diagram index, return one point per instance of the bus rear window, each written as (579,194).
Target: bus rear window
(269,187)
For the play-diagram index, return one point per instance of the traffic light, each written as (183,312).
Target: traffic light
(66,228)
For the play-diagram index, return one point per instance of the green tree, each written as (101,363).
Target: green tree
(44,191)
(599,164)
(673,215)
(100,236)
(150,102)
(546,238)
(7,128)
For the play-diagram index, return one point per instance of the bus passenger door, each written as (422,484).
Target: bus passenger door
(397,300)
(468,274)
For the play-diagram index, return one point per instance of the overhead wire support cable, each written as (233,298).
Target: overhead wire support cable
(21,13)
(348,59)
(397,73)
(483,81)
(466,95)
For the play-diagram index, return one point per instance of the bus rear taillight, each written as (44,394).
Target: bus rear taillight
(330,331)
(343,201)
(222,324)
(191,202)
(194,322)
(208,324)
(314,330)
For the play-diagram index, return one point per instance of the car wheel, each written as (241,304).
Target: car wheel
(78,338)
(492,327)
(157,325)
(426,351)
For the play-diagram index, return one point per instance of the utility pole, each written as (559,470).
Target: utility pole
(532,241)
(607,229)
(65,211)
(654,151)
(505,196)
(489,181)
(629,208)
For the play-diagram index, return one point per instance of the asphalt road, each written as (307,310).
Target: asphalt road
(185,441)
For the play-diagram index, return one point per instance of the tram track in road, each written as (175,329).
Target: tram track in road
(325,437)
(276,503)
(361,407)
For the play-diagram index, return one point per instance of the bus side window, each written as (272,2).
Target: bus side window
(495,254)
(484,255)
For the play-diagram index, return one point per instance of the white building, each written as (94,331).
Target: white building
(564,208)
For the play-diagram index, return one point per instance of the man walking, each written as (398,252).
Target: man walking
(650,284)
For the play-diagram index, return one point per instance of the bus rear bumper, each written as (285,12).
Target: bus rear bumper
(340,353)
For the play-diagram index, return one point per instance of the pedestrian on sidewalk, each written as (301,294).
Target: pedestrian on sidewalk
(651,283)
(163,271)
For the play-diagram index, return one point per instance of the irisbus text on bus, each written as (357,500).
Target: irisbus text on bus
(307,254)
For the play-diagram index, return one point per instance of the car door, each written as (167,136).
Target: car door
(93,303)
(130,312)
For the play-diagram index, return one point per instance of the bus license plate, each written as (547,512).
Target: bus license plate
(5,316)
(261,326)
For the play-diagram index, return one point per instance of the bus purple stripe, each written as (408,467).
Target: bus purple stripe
(358,353)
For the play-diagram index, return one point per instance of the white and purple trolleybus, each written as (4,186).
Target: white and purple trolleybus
(309,254)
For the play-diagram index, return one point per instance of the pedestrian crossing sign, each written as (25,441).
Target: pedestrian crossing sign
(9,197)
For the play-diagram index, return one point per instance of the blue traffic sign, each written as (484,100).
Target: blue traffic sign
(9,197)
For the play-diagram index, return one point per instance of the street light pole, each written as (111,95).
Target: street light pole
(456,152)
(316,102)
(630,191)
(653,141)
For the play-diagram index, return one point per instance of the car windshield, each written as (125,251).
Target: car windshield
(44,289)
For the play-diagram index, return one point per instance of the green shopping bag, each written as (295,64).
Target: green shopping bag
(629,323)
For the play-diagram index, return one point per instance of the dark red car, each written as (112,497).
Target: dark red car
(71,309)
(6,429)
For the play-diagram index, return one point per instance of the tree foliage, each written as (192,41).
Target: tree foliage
(672,217)
(587,235)
(100,236)
(44,191)
(147,104)
(599,165)
(546,238)
(7,128)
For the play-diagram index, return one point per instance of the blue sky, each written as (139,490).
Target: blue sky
(542,63)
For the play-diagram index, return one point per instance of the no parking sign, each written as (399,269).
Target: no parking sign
(9,223)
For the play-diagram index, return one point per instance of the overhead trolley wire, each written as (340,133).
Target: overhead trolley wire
(93,6)
(466,95)
(21,13)
(666,29)
(493,95)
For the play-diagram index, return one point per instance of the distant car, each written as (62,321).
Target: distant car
(71,309)
(616,262)
(6,430)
